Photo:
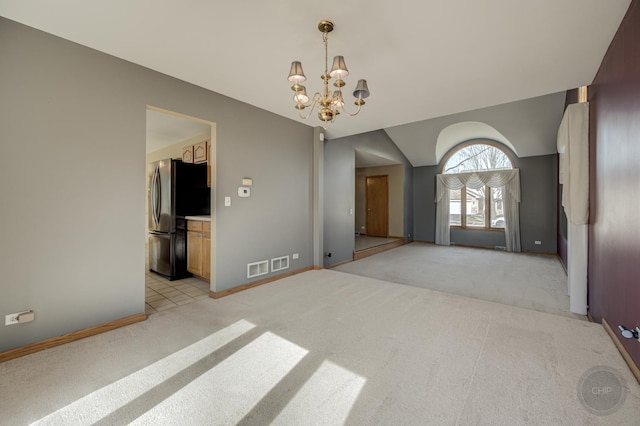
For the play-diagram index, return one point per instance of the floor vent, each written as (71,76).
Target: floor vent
(501,248)
(256,269)
(279,263)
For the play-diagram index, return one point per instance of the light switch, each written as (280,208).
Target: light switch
(227,201)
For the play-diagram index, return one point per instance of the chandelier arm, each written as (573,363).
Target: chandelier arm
(351,114)
(311,105)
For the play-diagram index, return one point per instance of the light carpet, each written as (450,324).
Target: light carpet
(532,281)
(323,348)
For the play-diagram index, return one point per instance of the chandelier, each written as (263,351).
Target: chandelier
(329,102)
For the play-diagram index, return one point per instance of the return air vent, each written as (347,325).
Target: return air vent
(279,263)
(256,269)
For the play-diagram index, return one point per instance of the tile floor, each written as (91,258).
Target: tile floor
(161,294)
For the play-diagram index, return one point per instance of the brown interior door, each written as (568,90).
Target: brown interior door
(377,193)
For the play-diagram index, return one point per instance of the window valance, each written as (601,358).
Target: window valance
(509,179)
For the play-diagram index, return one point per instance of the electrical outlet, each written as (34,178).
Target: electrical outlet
(11,319)
(18,318)
(538,242)
(295,255)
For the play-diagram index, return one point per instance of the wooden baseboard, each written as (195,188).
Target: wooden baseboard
(232,290)
(472,247)
(70,337)
(334,265)
(317,268)
(623,351)
(550,253)
(357,255)
(589,317)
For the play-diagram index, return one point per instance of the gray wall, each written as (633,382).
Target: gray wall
(72,165)
(424,212)
(538,207)
(539,204)
(339,189)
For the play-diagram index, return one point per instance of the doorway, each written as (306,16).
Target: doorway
(169,135)
(379,186)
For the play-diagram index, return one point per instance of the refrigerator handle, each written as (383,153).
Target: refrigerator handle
(155,196)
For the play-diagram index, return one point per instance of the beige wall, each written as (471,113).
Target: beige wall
(396,202)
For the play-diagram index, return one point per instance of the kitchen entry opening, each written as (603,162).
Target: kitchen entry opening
(180,243)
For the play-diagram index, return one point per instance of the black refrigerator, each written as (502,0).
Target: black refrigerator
(176,190)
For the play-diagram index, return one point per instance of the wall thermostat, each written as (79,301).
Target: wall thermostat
(244,191)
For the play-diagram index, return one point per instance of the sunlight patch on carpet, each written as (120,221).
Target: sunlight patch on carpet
(326,398)
(230,390)
(106,400)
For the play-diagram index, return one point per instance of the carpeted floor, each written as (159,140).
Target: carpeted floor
(532,281)
(323,347)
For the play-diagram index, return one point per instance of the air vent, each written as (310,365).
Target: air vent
(256,269)
(279,263)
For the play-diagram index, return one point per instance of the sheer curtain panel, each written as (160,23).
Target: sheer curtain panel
(508,180)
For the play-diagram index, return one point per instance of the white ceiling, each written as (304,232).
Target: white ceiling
(422,58)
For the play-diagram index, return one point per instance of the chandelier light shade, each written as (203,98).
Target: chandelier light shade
(361,92)
(339,69)
(330,103)
(296,74)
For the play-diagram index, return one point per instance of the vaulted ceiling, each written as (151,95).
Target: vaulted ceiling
(423,60)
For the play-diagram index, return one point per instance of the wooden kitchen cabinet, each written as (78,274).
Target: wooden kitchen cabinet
(206,250)
(187,154)
(200,152)
(197,153)
(199,248)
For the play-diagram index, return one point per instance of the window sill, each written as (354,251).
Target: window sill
(468,228)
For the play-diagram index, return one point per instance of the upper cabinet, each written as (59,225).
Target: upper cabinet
(200,152)
(187,154)
(197,153)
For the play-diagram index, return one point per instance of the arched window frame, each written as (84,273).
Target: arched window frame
(490,224)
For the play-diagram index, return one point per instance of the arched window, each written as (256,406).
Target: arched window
(480,208)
